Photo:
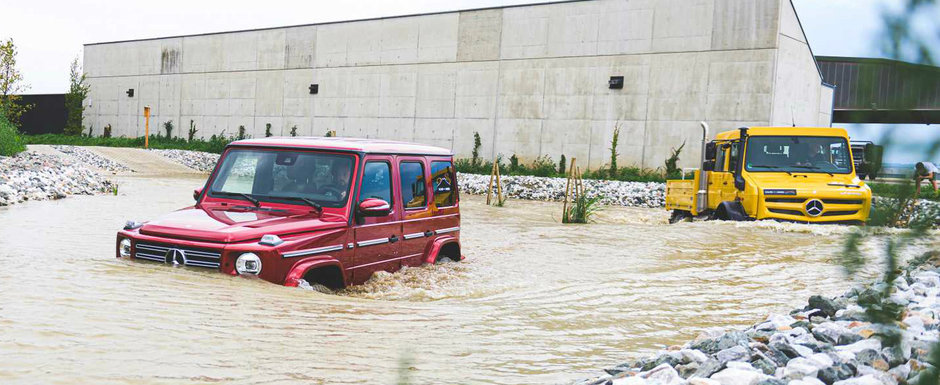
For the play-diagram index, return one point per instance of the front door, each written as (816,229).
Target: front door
(417,228)
(377,240)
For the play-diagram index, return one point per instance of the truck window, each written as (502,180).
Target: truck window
(413,192)
(720,159)
(733,164)
(443,179)
(376,181)
(804,154)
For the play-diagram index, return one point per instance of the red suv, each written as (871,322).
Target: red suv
(330,211)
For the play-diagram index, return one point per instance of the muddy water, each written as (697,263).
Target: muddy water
(535,302)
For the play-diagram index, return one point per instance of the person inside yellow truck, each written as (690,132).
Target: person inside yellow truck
(925,171)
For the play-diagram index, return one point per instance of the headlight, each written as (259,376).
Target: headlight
(125,248)
(248,263)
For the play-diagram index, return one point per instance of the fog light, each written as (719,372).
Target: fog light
(125,248)
(248,263)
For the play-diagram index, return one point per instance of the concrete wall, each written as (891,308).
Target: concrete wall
(531,80)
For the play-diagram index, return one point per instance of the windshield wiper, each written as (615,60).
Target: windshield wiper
(308,201)
(813,168)
(774,168)
(247,197)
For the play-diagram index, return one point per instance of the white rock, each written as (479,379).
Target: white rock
(863,380)
(733,376)
(693,355)
(800,367)
(854,348)
(630,381)
(703,381)
(742,366)
(821,360)
(806,381)
(662,375)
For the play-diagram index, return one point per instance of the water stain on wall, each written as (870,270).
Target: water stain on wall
(169,61)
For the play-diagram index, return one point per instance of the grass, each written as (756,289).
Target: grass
(546,167)
(11,143)
(216,144)
(894,190)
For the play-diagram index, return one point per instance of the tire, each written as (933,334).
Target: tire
(680,216)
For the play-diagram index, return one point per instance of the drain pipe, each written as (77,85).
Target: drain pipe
(702,196)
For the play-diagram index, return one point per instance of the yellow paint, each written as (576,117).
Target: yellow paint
(680,194)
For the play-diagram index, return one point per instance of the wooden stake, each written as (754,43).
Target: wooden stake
(489,189)
(564,207)
(499,185)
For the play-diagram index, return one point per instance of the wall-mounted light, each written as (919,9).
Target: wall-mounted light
(314,89)
(616,82)
(130,92)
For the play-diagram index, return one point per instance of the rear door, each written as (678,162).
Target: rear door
(417,226)
(377,239)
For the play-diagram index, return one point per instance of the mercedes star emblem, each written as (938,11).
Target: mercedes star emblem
(814,208)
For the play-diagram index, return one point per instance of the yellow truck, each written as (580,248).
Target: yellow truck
(799,174)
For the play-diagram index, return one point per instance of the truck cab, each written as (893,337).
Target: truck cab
(800,174)
(326,211)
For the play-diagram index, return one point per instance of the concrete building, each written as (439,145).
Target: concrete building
(532,80)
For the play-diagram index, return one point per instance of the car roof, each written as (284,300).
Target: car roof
(783,131)
(371,146)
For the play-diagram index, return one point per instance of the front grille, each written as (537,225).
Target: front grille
(839,213)
(785,200)
(843,201)
(193,256)
(786,212)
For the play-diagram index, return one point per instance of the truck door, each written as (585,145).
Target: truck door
(416,226)
(720,177)
(377,239)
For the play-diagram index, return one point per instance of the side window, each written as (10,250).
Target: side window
(733,165)
(443,182)
(720,159)
(413,194)
(376,181)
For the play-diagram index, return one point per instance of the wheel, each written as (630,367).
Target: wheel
(680,216)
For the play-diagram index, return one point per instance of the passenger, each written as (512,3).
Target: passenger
(925,171)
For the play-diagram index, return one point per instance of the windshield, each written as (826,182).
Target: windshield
(288,176)
(801,154)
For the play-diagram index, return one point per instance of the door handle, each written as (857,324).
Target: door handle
(428,233)
(393,238)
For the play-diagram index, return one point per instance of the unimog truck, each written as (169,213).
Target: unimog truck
(797,174)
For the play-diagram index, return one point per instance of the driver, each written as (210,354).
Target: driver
(339,188)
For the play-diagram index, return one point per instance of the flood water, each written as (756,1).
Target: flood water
(534,302)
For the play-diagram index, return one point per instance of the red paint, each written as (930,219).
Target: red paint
(357,239)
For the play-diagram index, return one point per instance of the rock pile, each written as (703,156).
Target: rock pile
(196,160)
(633,194)
(830,341)
(31,176)
(921,211)
(89,158)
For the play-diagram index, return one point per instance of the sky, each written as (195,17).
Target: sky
(49,34)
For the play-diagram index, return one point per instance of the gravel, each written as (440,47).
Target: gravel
(632,194)
(32,176)
(830,341)
(89,158)
(196,160)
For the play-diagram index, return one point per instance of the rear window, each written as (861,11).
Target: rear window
(444,184)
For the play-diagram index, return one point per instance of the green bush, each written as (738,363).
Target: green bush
(216,144)
(895,190)
(541,166)
(10,141)
(582,209)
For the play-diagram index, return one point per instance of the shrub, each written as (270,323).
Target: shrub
(106,133)
(168,126)
(582,209)
(477,143)
(241,133)
(672,170)
(513,163)
(91,130)
(542,166)
(192,130)
(562,164)
(10,141)
(613,151)
(216,144)
(267,130)
(293,131)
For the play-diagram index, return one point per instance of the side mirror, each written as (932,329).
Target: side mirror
(373,207)
(196,193)
(709,165)
(711,151)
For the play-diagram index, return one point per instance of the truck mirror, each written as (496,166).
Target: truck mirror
(373,207)
(196,193)
(709,165)
(711,151)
